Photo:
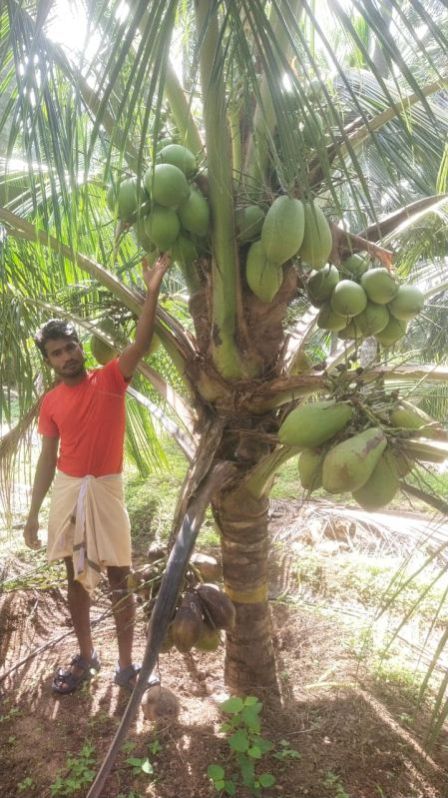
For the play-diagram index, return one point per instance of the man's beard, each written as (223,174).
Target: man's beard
(72,369)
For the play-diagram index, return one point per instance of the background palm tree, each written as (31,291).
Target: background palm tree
(344,102)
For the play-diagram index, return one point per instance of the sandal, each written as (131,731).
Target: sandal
(65,681)
(124,676)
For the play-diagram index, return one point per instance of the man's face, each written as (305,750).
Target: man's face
(65,356)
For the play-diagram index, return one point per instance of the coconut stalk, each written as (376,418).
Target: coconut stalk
(181,111)
(227,316)
(234,114)
(259,481)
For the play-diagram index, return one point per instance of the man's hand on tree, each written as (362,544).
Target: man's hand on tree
(153,275)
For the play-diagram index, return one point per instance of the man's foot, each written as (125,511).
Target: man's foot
(80,670)
(127,677)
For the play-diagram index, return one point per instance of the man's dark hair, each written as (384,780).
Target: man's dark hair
(52,330)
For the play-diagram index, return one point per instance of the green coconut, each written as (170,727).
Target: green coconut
(393,331)
(348,298)
(310,469)
(321,283)
(407,415)
(373,319)
(313,423)
(194,214)
(162,226)
(164,141)
(351,332)
(379,285)
(381,486)
(167,185)
(348,465)
(263,278)
(111,198)
(283,229)
(249,221)
(327,319)
(403,462)
(141,235)
(101,350)
(177,155)
(124,200)
(184,251)
(317,239)
(407,303)
(355,266)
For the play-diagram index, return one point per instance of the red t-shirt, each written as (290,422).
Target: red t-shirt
(89,419)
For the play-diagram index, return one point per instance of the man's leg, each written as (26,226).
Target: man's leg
(79,606)
(124,611)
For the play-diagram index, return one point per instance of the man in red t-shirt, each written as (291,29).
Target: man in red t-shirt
(82,423)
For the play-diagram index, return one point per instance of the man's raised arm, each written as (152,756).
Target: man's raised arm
(133,353)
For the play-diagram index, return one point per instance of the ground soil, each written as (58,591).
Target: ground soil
(354,735)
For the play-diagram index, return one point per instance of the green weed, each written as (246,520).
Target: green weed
(286,752)
(79,773)
(333,782)
(26,784)
(247,749)
(14,712)
(142,765)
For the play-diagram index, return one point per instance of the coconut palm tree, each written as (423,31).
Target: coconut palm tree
(343,103)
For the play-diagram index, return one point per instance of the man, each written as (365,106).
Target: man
(82,423)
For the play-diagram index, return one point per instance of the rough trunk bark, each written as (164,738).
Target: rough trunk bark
(243,522)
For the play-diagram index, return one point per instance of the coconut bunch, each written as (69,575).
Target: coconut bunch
(289,229)
(203,609)
(202,613)
(358,301)
(167,208)
(362,442)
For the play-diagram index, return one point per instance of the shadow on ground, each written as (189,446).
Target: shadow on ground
(350,740)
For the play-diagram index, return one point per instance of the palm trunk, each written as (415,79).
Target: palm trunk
(243,522)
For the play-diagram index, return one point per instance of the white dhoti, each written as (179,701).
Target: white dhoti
(89,522)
